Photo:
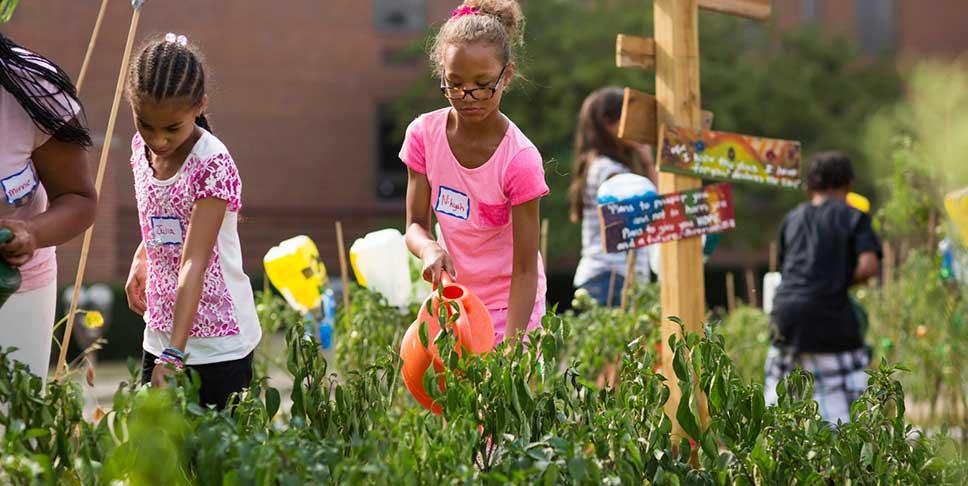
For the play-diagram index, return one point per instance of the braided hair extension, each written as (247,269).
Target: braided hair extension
(24,74)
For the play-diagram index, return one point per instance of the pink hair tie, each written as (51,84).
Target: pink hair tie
(465,10)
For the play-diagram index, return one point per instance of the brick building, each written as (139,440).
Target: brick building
(298,96)
(909,28)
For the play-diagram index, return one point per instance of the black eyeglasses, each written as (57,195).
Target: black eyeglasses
(479,94)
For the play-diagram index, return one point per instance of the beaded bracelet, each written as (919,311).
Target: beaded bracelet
(170,360)
(174,352)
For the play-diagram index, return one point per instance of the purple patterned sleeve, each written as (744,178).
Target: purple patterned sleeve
(218,178)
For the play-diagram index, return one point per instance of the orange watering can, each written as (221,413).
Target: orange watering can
(473,329)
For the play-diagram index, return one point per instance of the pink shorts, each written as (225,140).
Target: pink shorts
(500,319)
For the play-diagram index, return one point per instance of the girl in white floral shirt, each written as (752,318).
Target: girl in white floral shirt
(186,278)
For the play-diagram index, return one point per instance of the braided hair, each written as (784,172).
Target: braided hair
(26,76)
(166,70)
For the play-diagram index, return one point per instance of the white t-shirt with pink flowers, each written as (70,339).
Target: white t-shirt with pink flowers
(226,327)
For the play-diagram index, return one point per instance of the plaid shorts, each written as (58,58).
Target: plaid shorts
(839,378)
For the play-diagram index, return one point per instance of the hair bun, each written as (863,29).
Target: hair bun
(508,12)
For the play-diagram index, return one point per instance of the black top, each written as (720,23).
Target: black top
(818,249)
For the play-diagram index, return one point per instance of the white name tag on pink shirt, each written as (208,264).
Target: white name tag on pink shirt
(166,230)
(453,203)
(17,188)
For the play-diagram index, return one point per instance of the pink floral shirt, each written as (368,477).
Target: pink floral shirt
(164,211)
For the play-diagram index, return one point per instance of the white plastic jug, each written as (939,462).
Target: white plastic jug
(381,263)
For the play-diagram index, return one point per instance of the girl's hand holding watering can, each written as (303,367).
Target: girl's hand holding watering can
(19,246)
(436,261)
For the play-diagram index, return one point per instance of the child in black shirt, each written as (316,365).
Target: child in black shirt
(824,247)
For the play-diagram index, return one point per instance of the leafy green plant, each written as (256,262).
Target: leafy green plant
(598,343)
(746,331)
(523,414)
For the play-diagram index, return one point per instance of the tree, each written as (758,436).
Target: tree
(756,78)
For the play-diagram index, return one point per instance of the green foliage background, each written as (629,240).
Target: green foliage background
(757,78)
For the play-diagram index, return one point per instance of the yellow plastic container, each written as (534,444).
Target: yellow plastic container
(354,262)
(859,202)
(956,205)
(295,270)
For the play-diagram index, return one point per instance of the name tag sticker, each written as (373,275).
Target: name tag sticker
(166,230)
(453,203)
(18,187)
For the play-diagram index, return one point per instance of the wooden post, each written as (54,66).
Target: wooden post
(679,102)
(629,279)
(751,287)
(344,272)
(102,165)
(611,289)
(674,51)
(773,256)
(889,258)
(730,292)
(544,243)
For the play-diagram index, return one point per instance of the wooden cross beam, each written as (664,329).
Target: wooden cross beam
(640,118)
(752,9)
(674,53)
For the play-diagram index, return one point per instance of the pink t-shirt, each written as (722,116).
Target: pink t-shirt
(226,308)
(22,196)
(473,206)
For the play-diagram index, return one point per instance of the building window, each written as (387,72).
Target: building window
(400,16)
(875,25)
(810,10)
(391,180)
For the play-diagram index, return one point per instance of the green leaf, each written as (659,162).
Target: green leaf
(686,418)
(717,392)
(272,402)
(424,340)
(680,366)
(35,433)
(551,474)
(867,454)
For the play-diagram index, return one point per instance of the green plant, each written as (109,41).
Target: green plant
(746,331)
(522,414)
(921,320)
(373,330)
(598,343)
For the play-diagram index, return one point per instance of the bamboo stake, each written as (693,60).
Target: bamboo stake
(91,44)
(730,291)
(105,152)
(773,256)
(344,272)
(611,289)
(889,259)
(629,279)
(544,242)
(751,287)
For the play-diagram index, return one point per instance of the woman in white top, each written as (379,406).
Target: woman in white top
(600,155)
(47,194)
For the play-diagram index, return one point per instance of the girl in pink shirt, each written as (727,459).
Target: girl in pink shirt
(477,173)
(186,278)
(47,193)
